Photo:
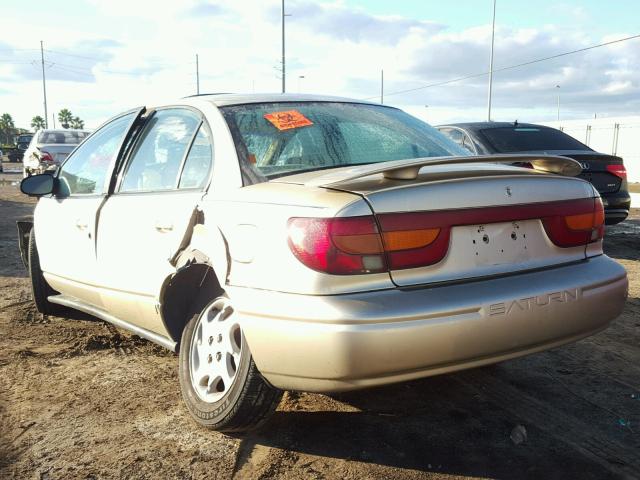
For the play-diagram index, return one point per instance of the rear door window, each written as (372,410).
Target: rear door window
(199,162)
(159,153)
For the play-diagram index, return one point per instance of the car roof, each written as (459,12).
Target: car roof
(490,125)
(228,99)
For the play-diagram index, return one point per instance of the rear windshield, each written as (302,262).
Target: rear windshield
(24,138)
(525,139)
(275,139)
(62,137)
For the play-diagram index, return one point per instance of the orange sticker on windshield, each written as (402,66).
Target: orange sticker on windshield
(288,120)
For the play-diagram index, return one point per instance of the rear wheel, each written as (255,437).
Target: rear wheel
(40,289)
(220,383)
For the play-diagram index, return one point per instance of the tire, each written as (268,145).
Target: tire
(212,345)
(40,289)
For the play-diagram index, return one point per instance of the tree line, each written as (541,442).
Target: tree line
(8,129)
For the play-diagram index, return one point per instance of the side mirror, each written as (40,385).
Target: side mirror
(38,185)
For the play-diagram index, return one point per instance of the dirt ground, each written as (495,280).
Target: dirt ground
(80,399)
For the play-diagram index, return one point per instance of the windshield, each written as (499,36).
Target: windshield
(62,137)
(24,138)
(526,139)
(274,139)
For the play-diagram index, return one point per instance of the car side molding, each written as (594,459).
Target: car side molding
(76,304)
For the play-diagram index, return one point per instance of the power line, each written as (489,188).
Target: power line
(510,67)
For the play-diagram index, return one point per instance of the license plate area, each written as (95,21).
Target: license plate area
(499,243)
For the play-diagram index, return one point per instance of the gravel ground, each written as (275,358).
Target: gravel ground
(80,399)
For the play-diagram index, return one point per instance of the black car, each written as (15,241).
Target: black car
(22,143)
(606,172)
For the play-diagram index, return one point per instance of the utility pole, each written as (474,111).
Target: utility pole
(44,87)
(283,60)
(53,118)
(493,35)
(382,86)
(197,76)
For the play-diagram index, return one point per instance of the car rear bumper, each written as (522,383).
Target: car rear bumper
(351,341)
(616,206)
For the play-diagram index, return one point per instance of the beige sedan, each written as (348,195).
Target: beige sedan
(294,242)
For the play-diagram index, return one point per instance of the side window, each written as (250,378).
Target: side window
(468,144)
(86,170)
(158,154)
(455,135)
(199,161)
(459,137)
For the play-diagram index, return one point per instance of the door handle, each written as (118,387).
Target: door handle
(164,227)
(81,225)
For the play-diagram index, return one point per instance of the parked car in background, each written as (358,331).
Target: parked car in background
(300,242)
(22,143)
(49,148)
(606,172)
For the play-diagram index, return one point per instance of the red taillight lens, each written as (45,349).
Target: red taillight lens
(618,170)
(45,157)
(341,246)
(577,223)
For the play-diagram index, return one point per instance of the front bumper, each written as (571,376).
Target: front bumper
(351,341)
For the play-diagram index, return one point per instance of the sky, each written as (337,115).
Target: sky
(103,57)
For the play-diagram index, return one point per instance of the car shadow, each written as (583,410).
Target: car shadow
(622,240)
(462,424)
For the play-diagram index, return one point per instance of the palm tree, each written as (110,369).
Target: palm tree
(65,117)
(76,122)
(37,122)
(7,126)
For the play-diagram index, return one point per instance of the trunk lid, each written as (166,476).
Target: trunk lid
(59,152)
(481,202)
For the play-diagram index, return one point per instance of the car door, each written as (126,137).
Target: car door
(65,223)
(146,219)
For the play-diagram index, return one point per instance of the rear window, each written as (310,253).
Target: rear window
(275,139)
(62,137)
(524,139)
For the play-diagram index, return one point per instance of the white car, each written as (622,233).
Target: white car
(317,244)
(49,148)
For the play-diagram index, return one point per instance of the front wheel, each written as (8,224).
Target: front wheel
(220,383)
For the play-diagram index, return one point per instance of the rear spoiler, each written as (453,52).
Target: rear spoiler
(409,169)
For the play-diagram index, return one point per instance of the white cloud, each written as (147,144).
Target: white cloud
(143,52)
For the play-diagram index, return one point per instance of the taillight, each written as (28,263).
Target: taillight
(46,157)
(341,246)
(415,239)
(618,170)
(578,223)
(355,245)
